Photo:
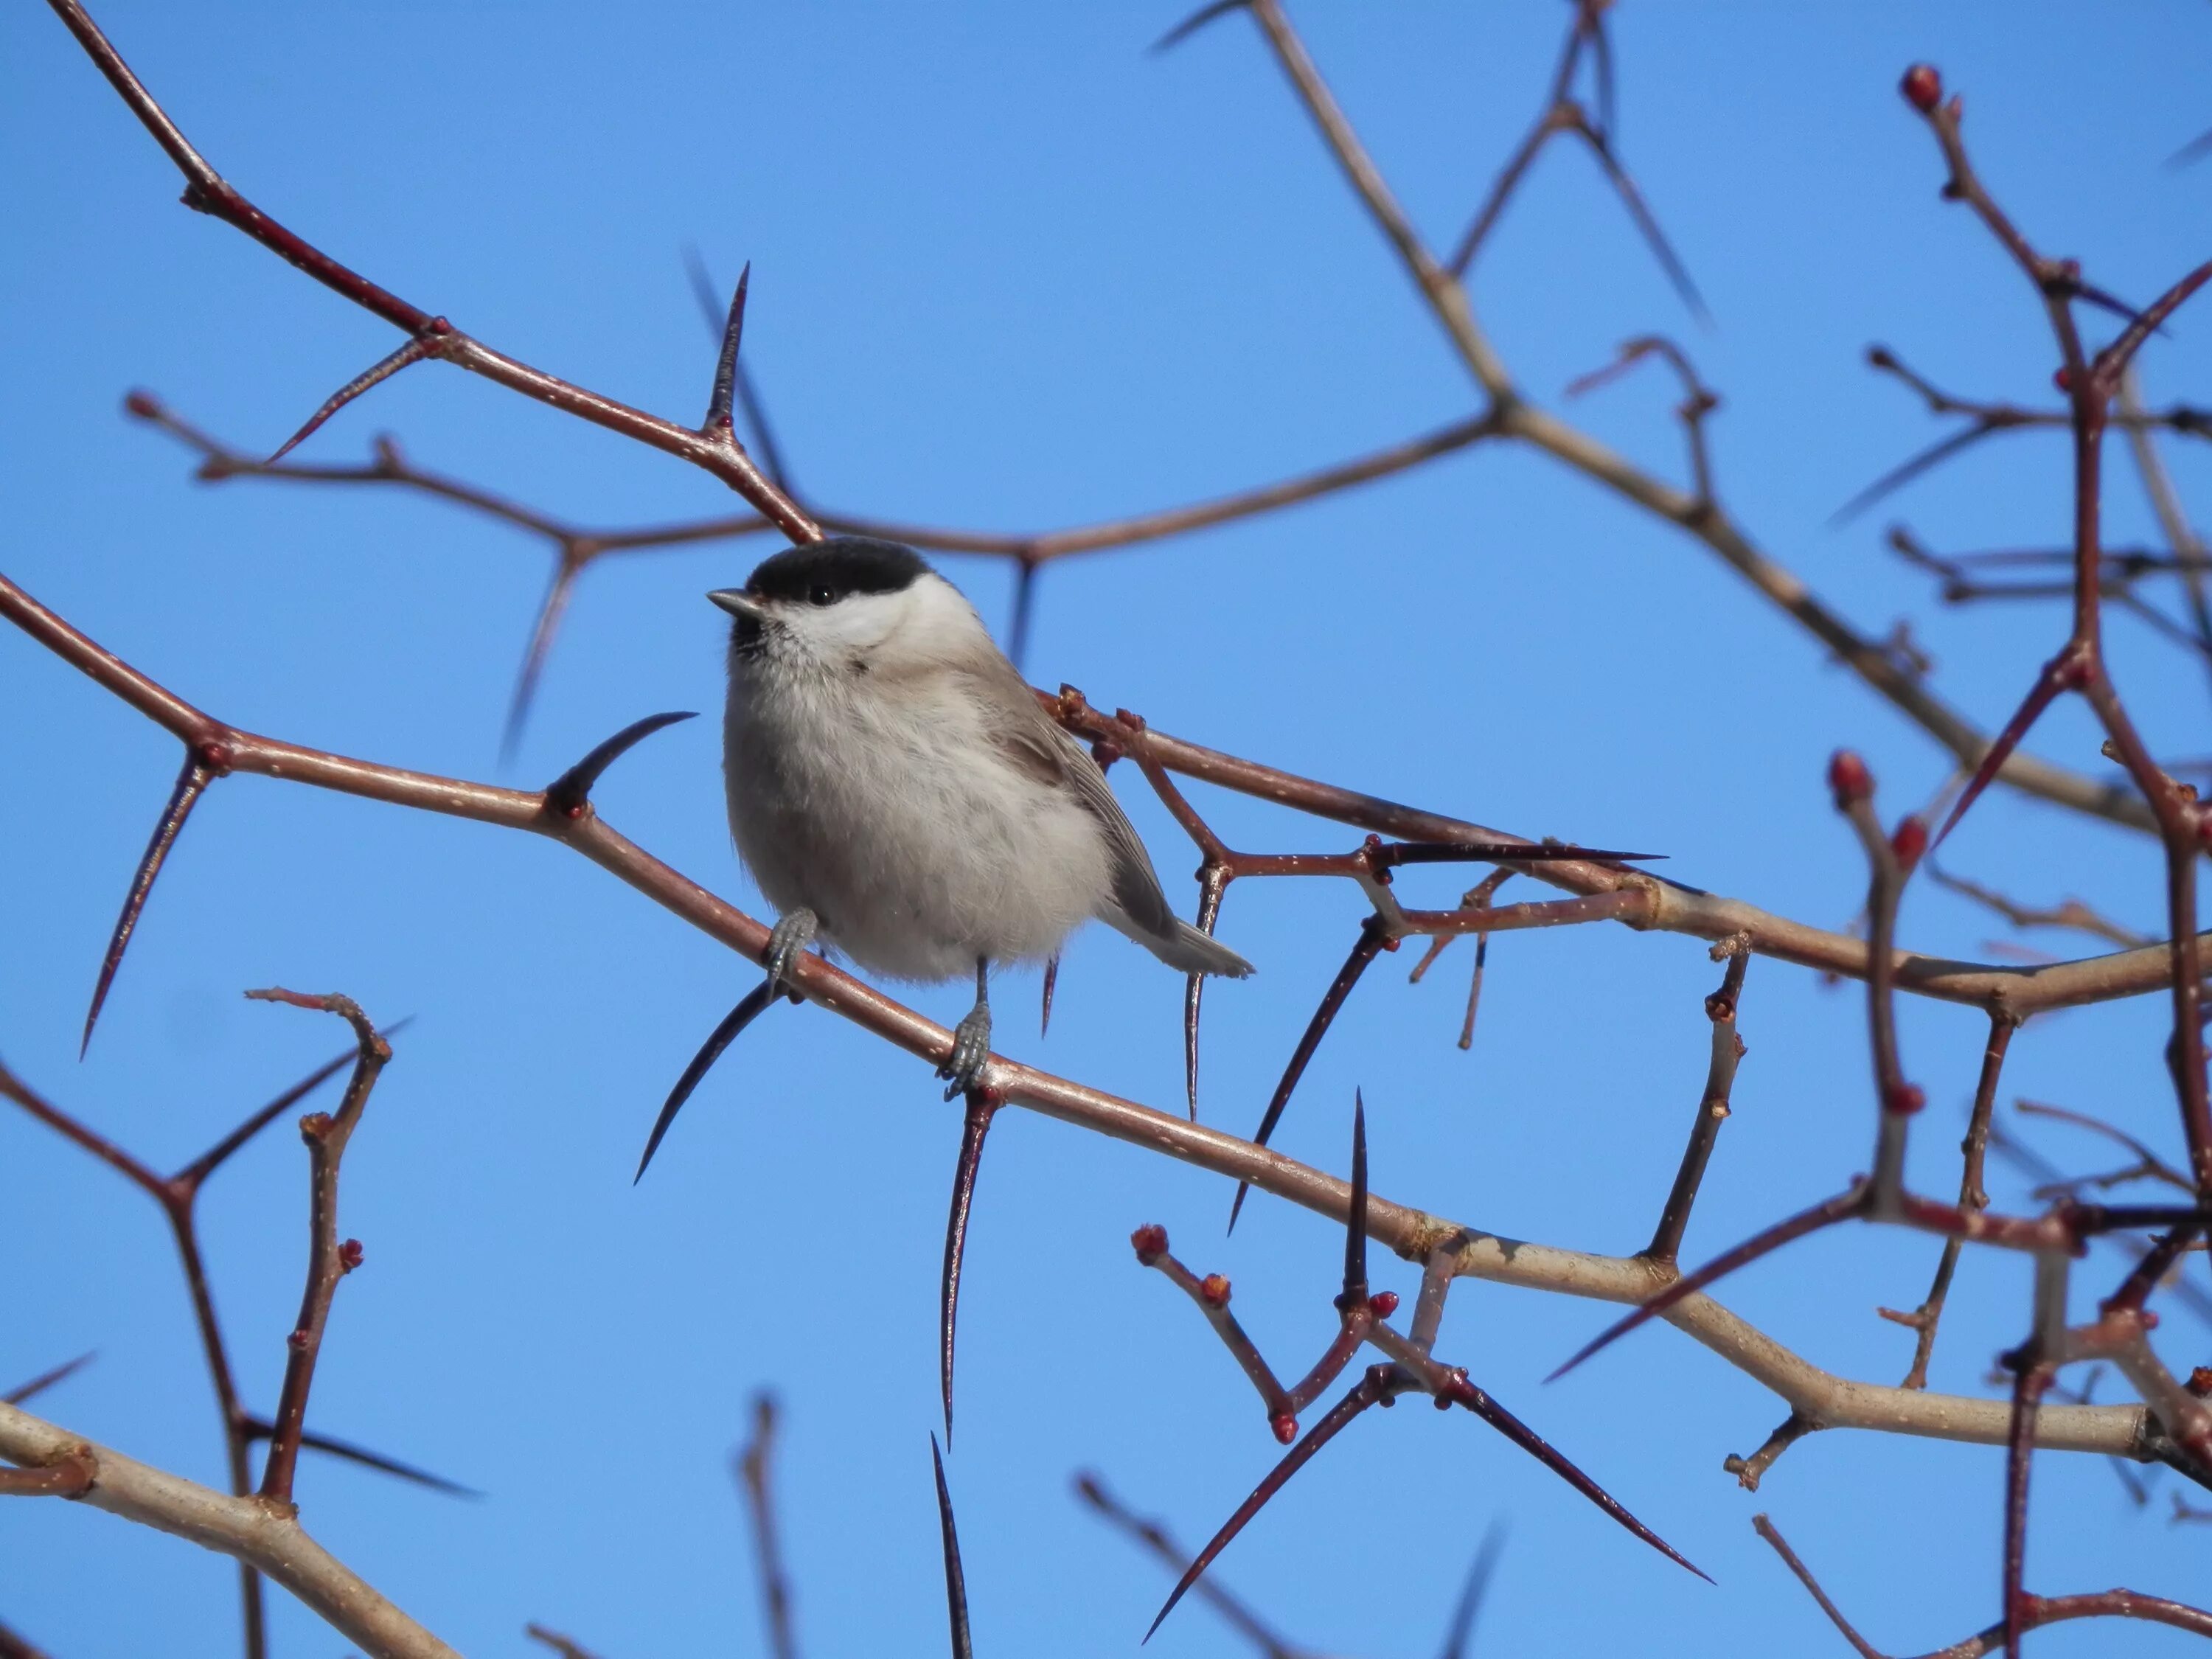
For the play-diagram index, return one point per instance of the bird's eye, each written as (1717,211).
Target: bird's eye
(821,593)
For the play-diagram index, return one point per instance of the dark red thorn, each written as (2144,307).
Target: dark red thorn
(1383,1304)
(1212,882)
(1495,852)
(2061,674)
(1842,1207)
(955,1580)
(749,399)
(725,365)
(1379,1382)
(45,1379)
(209,1161)
(200,768)
(1911,468)
(747,1010)
(1647,225)
(1365,950)
(1149,1243)
(1197,21)
(1475,1400)
(1051,980)
(426,344)
(258,1428)
(549,612)
(1471,1593)
(983,1107)
(1923,88)
(2195,150)
(566,796)
(1017,627)
(1355,1218)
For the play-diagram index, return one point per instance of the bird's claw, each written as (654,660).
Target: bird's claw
(793,933)
(971,1048)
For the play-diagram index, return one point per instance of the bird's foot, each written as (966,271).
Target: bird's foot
(793,933)
(971,1048)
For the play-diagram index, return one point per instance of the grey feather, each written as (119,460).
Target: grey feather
(1024,732)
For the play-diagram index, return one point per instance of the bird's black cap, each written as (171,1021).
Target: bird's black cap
(823,572)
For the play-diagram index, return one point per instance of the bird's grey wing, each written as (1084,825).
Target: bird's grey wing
(1027,736)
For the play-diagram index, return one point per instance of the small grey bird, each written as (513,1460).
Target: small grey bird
(897,791)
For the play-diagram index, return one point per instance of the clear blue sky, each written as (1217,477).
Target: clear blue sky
(1010,271)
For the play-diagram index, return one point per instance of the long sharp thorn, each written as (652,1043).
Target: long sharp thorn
(1212,885)
(208,1161)
(1370,1389)
(749,398)
(568,791)
(725,365)
(45,1379)
(1364,950)
(955,1580)
(719,1038)
(383,1465)
(1601,62)
(1656,238)
(1481,1403)
(1017,629)
(1842,1207)
(973,1128)
(1502,852)
(1355,1220)
(1906,471)
(1051,983)
(191,783)
(417,348)
(1471,1593)
(2057,677)
(2195,150)
(1197,21)
(549,612)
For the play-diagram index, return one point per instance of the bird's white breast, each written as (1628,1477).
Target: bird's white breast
(874,796)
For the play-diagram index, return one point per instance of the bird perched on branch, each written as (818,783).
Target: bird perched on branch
(897,791)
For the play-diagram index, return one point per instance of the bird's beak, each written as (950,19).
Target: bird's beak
(739,603)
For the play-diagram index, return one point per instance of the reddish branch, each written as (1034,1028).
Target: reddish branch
(753,1465)
(2033,1611)
(1727,1050)
(179,1196)
(326,1135)
(1362,1320)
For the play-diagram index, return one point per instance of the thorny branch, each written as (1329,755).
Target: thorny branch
(2122,1430)
(1509,414)
(2176,1426)
(2034,1611)
(178,1195)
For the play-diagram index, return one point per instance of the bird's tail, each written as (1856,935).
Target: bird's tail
(1186,949)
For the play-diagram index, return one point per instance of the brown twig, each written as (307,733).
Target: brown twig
(1727,1050)
(753,1465)
(1972,1196)
(326,1135)
(2034,1611)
